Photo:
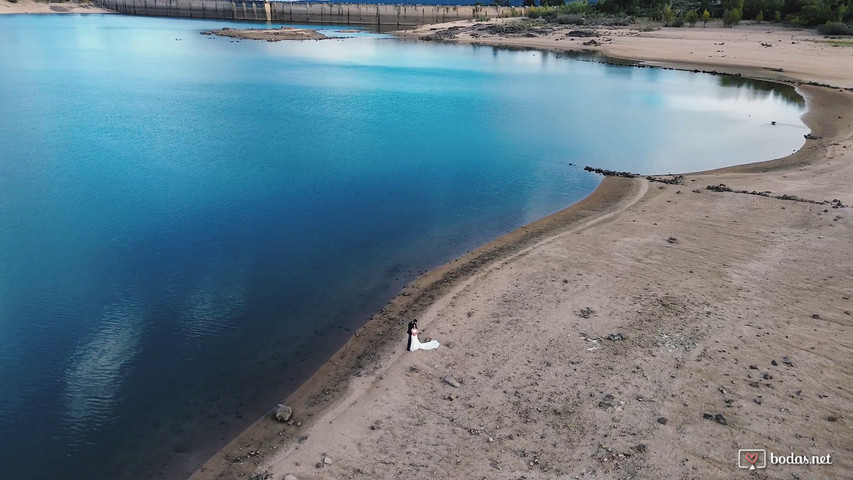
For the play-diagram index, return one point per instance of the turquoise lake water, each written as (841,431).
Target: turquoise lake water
(190,225)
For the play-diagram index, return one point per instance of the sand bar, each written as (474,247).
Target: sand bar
(268,34)
(649,331)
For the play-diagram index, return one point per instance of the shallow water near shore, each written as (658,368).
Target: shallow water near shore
(190,225)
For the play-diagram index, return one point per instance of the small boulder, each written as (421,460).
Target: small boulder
(283,412)
(290,477)
(327,460)
(662,420)
(452,381)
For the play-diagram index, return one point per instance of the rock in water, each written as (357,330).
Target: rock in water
(283,412)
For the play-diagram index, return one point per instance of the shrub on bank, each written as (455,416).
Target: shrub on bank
(571,19)
(571,8)
(645,26)
(614,21)
(577,13)
(536,12)
(835,28)
(801,13)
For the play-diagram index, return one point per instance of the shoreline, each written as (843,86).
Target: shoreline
(32,7)
(362,358)
(362,367)
(733,51)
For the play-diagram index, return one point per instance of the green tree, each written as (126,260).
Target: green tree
(817,12)
(733,5)
(772,7)
(760,17)
(667,13)
(692,17)
(752,7)
(731,17)
(706,17)
(841,11)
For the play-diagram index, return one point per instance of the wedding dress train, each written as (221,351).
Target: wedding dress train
(415,344)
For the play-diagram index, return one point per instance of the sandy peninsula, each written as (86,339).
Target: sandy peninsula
(649,331)
(268,34)
(30,6)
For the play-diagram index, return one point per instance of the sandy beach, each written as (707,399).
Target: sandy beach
(29,6)
(650,331)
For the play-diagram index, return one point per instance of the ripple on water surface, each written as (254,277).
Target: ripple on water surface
(96,369)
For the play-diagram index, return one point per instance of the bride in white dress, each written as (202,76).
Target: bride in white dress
(414,343)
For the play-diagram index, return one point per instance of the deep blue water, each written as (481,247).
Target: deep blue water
(190,225)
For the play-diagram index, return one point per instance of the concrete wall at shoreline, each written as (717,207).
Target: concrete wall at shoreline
(291,12)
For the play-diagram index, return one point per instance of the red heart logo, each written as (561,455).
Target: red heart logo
(751,457)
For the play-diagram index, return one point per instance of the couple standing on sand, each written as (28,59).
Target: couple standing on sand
(414,343)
